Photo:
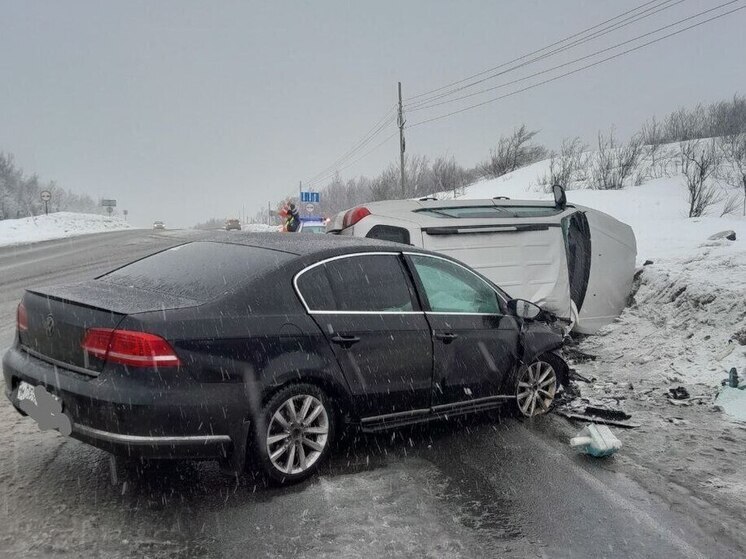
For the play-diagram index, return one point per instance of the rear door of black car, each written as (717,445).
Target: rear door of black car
(367,309)
(475,343)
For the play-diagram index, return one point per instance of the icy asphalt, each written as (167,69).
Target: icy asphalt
(486,487)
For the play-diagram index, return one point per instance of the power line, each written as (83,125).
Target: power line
(380,125)
(600,33)
(571,62)
(534,52)
(367,153)
(420,123)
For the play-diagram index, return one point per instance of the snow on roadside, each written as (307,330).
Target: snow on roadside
(56,226)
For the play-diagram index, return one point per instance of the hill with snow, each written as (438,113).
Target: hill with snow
(56,226)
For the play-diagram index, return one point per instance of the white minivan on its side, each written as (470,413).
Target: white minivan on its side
(576,262)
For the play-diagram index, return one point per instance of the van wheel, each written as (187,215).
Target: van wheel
(297,432)
(537,384)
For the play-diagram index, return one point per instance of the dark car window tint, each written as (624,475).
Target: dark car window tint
(368,283)
(451,288)
(389,233)
(201,271)
(316,290)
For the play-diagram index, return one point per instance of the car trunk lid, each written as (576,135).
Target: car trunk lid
(58,317)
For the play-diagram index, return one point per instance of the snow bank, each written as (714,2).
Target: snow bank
(260,228)
(56,226)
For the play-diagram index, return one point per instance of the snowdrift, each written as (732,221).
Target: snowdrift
(56,226)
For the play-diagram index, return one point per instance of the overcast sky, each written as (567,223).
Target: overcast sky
(186,110)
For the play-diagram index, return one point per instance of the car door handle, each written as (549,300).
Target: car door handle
(345,341)
(447,337)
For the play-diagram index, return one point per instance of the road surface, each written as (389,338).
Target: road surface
(485,487)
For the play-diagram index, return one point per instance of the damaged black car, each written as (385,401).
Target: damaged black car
(263,348)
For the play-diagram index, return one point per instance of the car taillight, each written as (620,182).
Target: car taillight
(21,318)
(354,215)
(126,347)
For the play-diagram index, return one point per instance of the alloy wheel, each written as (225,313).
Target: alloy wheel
(297,434)
(537,386)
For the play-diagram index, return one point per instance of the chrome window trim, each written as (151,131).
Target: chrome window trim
(340,257)
(425,255)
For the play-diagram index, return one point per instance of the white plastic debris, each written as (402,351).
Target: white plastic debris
(596,440)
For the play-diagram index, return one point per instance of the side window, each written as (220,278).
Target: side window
(316,290)
(367,283)
(451,288)
(389,233)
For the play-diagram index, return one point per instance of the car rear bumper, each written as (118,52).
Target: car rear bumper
(127,420)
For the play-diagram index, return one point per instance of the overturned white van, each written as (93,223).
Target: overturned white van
(575,262)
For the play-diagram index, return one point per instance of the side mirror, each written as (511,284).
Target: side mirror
(524,309)
(560,198)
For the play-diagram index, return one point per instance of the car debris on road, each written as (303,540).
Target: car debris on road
(596,440)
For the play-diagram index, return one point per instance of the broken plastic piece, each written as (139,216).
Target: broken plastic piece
(596,440)
(679,393)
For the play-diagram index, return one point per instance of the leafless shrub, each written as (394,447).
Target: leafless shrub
(449,175)
(700,162)
(568,166)
(733,149)
(513,152)
(614,163)
(731,206)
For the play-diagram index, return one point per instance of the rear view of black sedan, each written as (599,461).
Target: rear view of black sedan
(264,347)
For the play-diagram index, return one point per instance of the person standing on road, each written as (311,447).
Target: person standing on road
(292,224)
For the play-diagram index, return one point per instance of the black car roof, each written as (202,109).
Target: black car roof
(305,245)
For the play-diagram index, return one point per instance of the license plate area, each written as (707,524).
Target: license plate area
(44,407)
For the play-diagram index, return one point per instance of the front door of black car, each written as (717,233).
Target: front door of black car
(367,309)
(475,344)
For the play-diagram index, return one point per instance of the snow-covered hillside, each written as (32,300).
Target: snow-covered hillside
(687,324)
(56,226)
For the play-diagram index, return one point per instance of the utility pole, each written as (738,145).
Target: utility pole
(402,144)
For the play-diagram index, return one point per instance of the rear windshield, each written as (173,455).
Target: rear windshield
(491,212)
(201,271)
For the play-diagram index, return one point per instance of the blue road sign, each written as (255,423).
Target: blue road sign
(312,197)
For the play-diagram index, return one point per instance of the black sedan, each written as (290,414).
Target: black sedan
(264,346)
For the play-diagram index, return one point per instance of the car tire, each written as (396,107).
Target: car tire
(296,433)
(536,384)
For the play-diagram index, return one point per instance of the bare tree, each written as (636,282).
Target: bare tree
(568,166)
(449,175)
(733,148)
(700,162)
(614,163)
(513,152)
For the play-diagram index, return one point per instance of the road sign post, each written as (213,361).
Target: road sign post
(46,196)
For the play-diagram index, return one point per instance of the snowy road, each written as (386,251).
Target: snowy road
(482,489)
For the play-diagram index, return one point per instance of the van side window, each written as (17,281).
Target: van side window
(389,233)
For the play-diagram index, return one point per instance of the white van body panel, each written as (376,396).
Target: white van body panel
(526,256)
(530,265)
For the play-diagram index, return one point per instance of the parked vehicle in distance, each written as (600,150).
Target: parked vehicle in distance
(232,225)
(312,225)
(264,346)
(158,226)
(575,262)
